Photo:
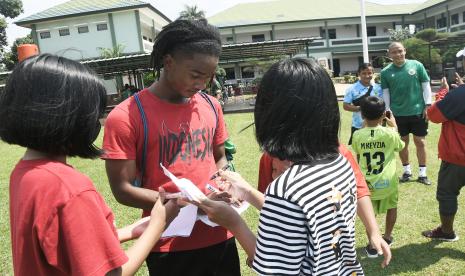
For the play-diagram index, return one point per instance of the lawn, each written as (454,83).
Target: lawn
(412,254)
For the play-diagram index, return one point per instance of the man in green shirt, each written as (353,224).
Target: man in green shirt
(407,93)
(375,147)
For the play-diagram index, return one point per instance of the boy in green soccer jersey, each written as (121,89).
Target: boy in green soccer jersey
(375,146)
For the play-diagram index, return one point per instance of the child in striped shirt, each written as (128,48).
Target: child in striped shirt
(308,213)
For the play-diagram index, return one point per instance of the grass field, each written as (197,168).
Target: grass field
(417,210)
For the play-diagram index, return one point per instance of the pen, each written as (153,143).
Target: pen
(215,175)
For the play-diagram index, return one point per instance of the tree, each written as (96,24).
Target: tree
(11,58)
(116,51)
(149,78)
(220,75)
(419,49)
(430,35)
(191,13)
(399,35)
(10,9)
(448,56)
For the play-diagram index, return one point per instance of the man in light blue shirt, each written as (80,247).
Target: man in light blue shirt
(356,92)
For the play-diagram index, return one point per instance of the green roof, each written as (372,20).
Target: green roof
(280,11)
(428,4)
(84,7)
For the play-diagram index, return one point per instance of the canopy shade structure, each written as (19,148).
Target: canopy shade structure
(260,50)
(121,64)
(231,53)
(450,41)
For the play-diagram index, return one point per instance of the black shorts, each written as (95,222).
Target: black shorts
(218,259)
(451,178)
(352,130)
(414,124)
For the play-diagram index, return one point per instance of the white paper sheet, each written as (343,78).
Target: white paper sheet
(187,188)
(183,224)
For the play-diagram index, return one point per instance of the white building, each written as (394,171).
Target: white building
(337,22)
(79,29)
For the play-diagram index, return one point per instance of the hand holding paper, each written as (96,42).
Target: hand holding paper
(187,188)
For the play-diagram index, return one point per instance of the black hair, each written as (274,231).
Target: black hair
(187,37)
(53,105)
(364,66)
(372,108)
(296,112)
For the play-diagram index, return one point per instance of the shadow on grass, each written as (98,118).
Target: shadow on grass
(410,258)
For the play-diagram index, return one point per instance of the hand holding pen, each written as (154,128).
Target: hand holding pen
(217,173)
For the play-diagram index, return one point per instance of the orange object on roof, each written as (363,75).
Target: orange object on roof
(27,50)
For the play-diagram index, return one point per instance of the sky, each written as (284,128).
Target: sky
(170,8)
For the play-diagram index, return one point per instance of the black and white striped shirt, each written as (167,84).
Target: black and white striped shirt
(307,224)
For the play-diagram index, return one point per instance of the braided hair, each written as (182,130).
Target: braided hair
(185,36)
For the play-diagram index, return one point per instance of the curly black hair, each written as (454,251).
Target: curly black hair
(186,37)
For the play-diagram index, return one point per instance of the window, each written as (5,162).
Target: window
(463,17)
(83,29)
(44,35)
(332,33)
(441,23)
(102,27)
(258,38)
(419,27)
(454,19)
(247,72)
(230,39)
(230,74)
(63,32)
(371,31)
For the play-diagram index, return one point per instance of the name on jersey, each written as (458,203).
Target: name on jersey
(372,145)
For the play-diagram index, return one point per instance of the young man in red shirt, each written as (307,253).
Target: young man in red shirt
(186,134)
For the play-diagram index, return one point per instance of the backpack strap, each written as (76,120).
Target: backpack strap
(206,98)
(369,91)
(358,101)
(138,182)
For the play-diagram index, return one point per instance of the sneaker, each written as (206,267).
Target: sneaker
(424,180)
(406,177)
(437,234)
(371,252)
(389,241)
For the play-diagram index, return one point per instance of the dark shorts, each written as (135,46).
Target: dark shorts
(352,130)
(414,124)
(451,179)
(216,260)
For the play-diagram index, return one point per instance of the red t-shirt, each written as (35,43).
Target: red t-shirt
(449,110)
(182,138)
(60,225)
(269,164)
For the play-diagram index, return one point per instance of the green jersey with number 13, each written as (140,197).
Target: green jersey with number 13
(375,148)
